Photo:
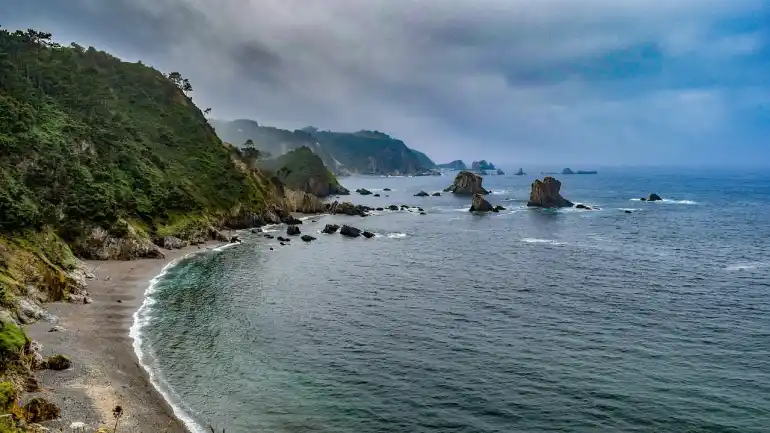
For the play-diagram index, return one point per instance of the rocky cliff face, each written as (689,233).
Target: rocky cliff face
(467,183)
(546,194)
(479,204)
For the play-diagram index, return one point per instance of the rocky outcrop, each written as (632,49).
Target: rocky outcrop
(348,208)
(567,171)
(436,194)
(582,206)
(307,238)
(39,409)
(350,232)
(291,220)
(546,194)
(479,204)
(500,172)
(293,230)
(467,183)
(302,202)
(330,228)
(100,244)
(393,207)
(422,194)
(363,191)
(58,362)
(173,243)
(655,197)
(368,234)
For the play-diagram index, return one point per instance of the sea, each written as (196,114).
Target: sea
(526,320)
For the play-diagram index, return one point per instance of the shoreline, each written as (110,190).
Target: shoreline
(99,338)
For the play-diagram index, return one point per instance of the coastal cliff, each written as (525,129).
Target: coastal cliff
(302,170)
(105,159)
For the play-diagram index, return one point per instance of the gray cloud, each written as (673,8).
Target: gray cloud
(510,80)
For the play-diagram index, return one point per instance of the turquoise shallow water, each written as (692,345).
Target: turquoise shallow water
(523,321)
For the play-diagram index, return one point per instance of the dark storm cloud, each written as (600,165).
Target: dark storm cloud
(513,80)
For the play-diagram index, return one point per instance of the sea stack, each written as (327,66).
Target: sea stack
(467,183)
(479,204)
(545,193)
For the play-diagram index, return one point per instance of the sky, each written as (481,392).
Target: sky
(578,82)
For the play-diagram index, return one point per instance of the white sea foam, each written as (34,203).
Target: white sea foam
(396,235)
(747,266)
(542,241)
(499,191)
(669,201)
(141,319)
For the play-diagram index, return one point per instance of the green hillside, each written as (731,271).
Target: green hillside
(303,170)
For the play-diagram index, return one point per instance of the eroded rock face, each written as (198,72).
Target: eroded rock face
(467,183)
(99,244)
(173,243)
(302,202)
(545,193)
(479,204)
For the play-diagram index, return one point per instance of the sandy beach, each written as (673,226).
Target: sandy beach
(105,371)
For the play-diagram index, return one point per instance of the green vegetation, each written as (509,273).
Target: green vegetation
(454,165)
(12,340)
(303,170)
(86,140)
(7,396)
(424,160)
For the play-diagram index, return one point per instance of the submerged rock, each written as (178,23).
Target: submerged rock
(349,231)
(479,204)
(582,206)
(293,230)
(545,194)
(628,211)
(386,189)
(467,183)
(422,194)
(655,197)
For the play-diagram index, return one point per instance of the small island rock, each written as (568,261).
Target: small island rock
(479,204)
(349,231)
(363,191)
(307,238)
(422,194)
(654,197)
(467,183)
(545,194)
(293,230)
(368,234)
(330,228)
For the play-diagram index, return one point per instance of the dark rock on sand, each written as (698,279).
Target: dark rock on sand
(545,194)
(467,183)
(350,231)
(655,197)
(368,235)
(307,238)
(330,228)
(293,230)
(479,204)
(58,362)
(39,409)
(422,194)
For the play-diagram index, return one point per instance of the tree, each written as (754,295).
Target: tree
(186,86)
(176,78)
(207,111)
(249,143)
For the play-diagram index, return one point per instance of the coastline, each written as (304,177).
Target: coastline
(97,337)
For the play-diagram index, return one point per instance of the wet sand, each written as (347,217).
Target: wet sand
(105,371)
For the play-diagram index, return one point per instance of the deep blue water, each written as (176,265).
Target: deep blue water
(522,321)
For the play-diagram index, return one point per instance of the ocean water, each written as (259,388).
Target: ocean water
(522,321)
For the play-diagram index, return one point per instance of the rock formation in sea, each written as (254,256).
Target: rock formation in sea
(520,172)
(363,191)
(546,193)
(349,231)
(368,234)
(567,171)
(330,228)
(307,238)
(479,204)
(467,183)
(293,230)
(500,172)
(655,197)
(422,194)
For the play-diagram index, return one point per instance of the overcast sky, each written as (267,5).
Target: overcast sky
(594,82)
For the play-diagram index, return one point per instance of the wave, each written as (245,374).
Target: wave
(542,241)
(498,191)
(141,319)
(669,201)
(396,235)
(747,266)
